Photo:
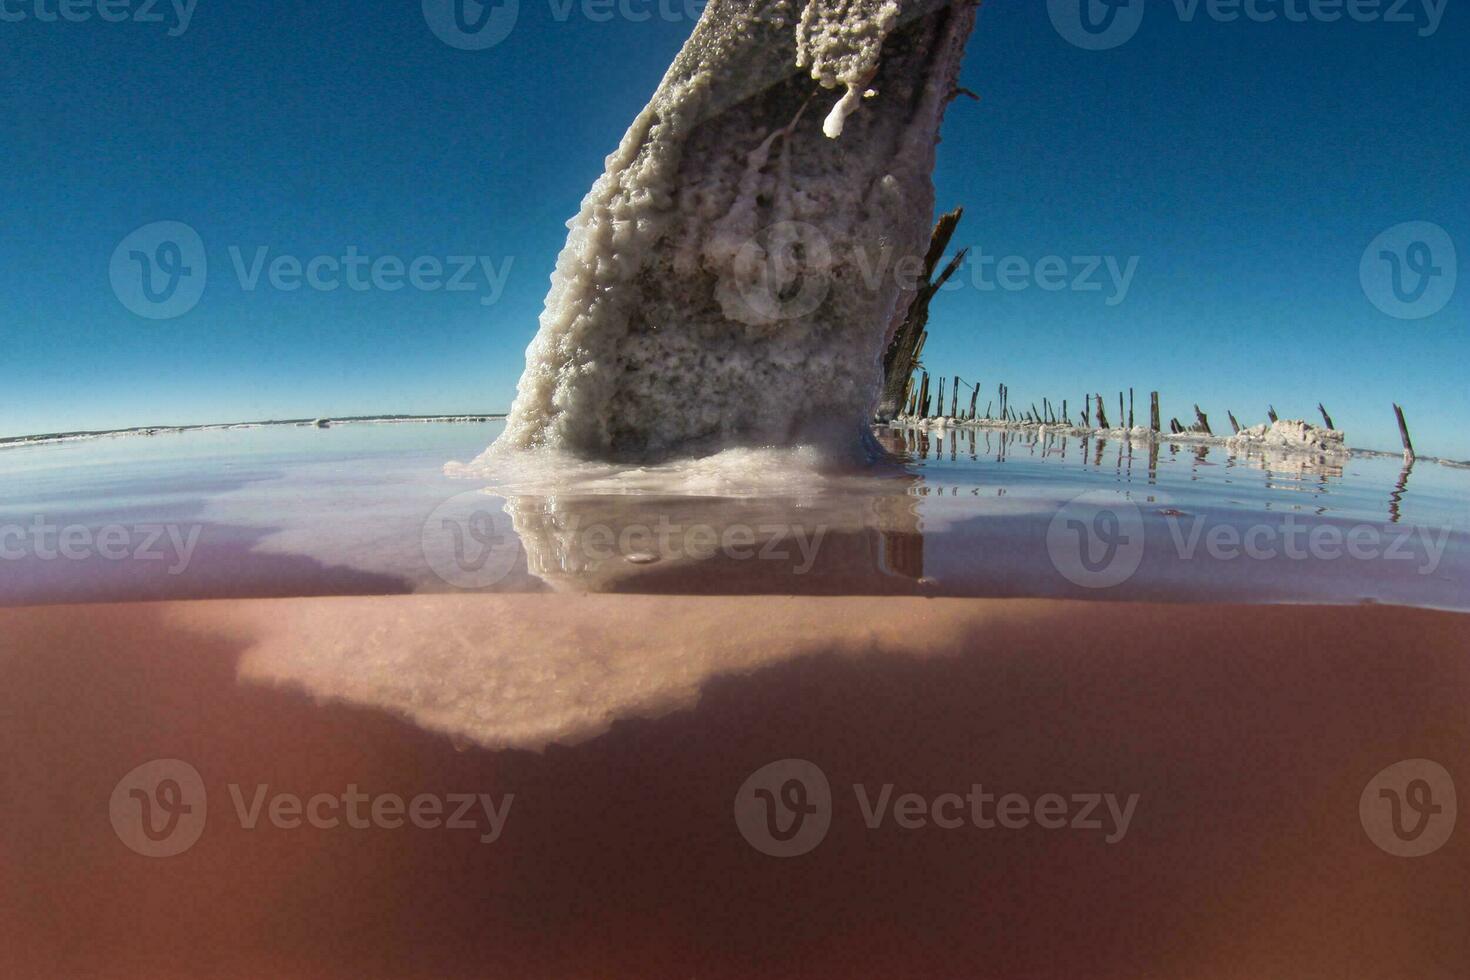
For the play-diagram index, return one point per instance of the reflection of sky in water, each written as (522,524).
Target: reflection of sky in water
(369,509)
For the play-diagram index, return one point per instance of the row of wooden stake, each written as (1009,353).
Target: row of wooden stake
(919,404)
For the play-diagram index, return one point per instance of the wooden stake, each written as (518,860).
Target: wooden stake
(1153,411)
(1325,417)
(1404,433)
(1271,414)
(1204,421)
(1234,424)
(903,350)
(1102,415)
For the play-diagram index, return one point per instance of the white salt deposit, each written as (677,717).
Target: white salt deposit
(716,289)
(1290,434)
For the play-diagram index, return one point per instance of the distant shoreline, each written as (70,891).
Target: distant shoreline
(10,442)
(52,438)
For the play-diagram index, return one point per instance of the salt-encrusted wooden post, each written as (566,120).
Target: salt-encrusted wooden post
(1066,419)
(1087,411)
(1130,408)
(1204,421)
(954,399)
(1102,415)
(1122,416)
(1271,414)
(1404,433)
(1233,424)
(1153,411)
(1325,417)
(974,398)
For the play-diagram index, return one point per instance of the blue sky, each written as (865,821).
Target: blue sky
(1240,169)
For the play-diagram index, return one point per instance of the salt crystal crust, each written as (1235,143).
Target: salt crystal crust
(730,279)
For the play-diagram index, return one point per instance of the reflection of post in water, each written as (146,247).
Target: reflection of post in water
(1153,461)
(901,553)
(1396,499)
(1101,445)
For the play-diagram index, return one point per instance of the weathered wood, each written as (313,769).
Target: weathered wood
(1404,432)
(1233,423)
(1130,408)
(1153,412)
(1102,414)
(1271,414)
(954,399)
(902,354)
(1325,417)
(1204,421)
(974,398)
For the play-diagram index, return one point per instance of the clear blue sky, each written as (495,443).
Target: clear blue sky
(1247,166)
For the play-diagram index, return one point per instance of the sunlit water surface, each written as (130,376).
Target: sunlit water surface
(372,509)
